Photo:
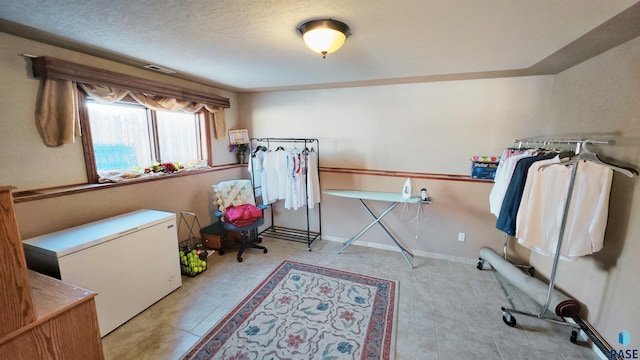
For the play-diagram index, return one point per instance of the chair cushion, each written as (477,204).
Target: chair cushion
(255,225)
(242,215)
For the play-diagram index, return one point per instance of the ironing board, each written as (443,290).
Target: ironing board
(393,198)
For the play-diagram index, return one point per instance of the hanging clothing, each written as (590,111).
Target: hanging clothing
(271,177)
(509,209)
(301,178)
(293,169)
(255,168)
(289,176)
(281,169)
(507,153)
(539,217)
(504,172)
(313,180)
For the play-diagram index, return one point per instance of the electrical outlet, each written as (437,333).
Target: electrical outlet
(461,236)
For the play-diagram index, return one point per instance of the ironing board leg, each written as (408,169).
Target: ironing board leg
(377,220)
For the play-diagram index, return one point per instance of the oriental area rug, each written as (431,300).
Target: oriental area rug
(303,311)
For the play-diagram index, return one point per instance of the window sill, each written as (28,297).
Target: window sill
(47,193)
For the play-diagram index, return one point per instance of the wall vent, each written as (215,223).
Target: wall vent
(159,69)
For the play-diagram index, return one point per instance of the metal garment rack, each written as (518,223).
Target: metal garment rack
(285,233)
(580,150)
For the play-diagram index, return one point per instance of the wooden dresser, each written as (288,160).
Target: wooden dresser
(41,317)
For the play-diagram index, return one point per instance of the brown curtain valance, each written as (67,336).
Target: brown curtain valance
(57,116)
(56,69)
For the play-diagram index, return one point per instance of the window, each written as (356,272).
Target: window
(127,136)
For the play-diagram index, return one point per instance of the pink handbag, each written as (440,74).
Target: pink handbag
(242,215)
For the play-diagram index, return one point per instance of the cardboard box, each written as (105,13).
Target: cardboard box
(483,170)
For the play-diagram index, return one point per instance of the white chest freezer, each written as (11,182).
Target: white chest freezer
(130,260)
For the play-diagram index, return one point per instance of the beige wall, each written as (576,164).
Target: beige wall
(26,162)
(601,98)
(187,193)
(434,127)
(457,207)
(425,128)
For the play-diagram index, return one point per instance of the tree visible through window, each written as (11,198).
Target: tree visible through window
(127,136)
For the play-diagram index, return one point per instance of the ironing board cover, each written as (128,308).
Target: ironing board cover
(233,192)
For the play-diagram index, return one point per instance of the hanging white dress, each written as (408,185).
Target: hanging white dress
(271,178)
(293,174)
(300,179)
(281,170)
(313,181)
(255,168)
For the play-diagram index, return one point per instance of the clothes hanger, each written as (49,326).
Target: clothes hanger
(586,155)
(258,148)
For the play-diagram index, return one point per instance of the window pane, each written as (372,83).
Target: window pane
(120,135)
(178,136)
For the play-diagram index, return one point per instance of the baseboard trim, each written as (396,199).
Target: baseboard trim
(421,253)
(598,344)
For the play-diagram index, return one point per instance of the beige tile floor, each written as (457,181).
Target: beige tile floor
(447,310)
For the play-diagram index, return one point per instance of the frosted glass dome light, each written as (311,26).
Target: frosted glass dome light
(324,36)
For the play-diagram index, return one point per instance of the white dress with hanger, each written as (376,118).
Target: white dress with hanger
(313,182)
(293,168)
(281,169)
(271,183)
(255,168)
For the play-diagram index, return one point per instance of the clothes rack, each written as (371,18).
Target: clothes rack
(280,232)
(582,153)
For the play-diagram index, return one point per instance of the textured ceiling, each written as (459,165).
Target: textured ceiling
(245,45)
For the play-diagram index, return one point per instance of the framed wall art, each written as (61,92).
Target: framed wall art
(240,136)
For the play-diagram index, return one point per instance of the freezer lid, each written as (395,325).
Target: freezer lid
(68,241)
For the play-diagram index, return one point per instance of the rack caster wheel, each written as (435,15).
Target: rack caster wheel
(574,336)
(220,252)
(239,259)
(265,251)
(480,264)
(511,321)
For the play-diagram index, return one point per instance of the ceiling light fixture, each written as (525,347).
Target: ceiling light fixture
(324,36)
